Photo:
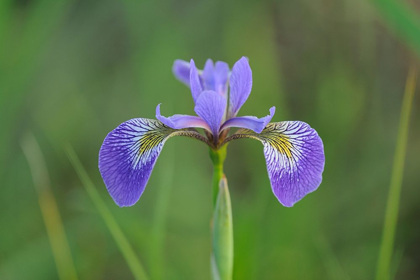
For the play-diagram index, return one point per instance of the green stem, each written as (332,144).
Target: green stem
(391,214)
(222,226)
(218,158)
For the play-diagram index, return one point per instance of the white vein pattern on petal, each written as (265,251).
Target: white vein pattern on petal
(294,155)
(128,155)
(295,159)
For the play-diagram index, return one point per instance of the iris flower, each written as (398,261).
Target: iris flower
(293,151)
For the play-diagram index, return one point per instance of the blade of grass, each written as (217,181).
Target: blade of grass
(391,212)
(125,247)
(404,20)
(50,213)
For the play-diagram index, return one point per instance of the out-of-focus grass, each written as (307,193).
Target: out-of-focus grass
(157,259)
(21,46)
(49,209)
(403,19)
(332,264)
(392,208)
(126,249)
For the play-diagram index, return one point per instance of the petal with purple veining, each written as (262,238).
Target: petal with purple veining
(195,83)
(128,155)
(240,85)
(221,75)
(294,154)
(207,76)
(211,107)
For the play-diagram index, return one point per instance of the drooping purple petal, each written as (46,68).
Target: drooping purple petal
(195,84)
(211,106)
(294,154)
(250,122)
(181,121)
(240,85)
(128,155)
(181,70)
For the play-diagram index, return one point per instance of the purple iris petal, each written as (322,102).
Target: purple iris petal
(127,157)
(250,122)
(208,75)
(221,75)
(240,85)
(195,84)
(181,70)
(181,121)
(295,159)
(215,76)
(211,106)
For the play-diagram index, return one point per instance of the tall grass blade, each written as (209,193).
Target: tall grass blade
(50,213)
(391,212)
(125,247)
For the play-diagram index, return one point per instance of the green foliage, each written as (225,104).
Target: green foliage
(392,207)
(122,242)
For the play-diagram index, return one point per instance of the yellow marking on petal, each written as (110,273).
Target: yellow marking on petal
(150,140)
(281,143)
(277,140)
(273,135)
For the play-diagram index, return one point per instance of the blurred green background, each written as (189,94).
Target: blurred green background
(71,71)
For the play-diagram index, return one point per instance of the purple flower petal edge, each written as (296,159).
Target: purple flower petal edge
(207,76)
(250,122)
(240,85)
(294,154)
(181,121)
(221,76)
(295,159)
(195,83)
(181,70)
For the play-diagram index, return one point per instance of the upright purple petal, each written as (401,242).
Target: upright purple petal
(181,121)
(195,84)
(240,85)
(128,155)
(295,158)
(221,75)
(208,75)
(250,122)
(211,107)
(181,70)
(215,76)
